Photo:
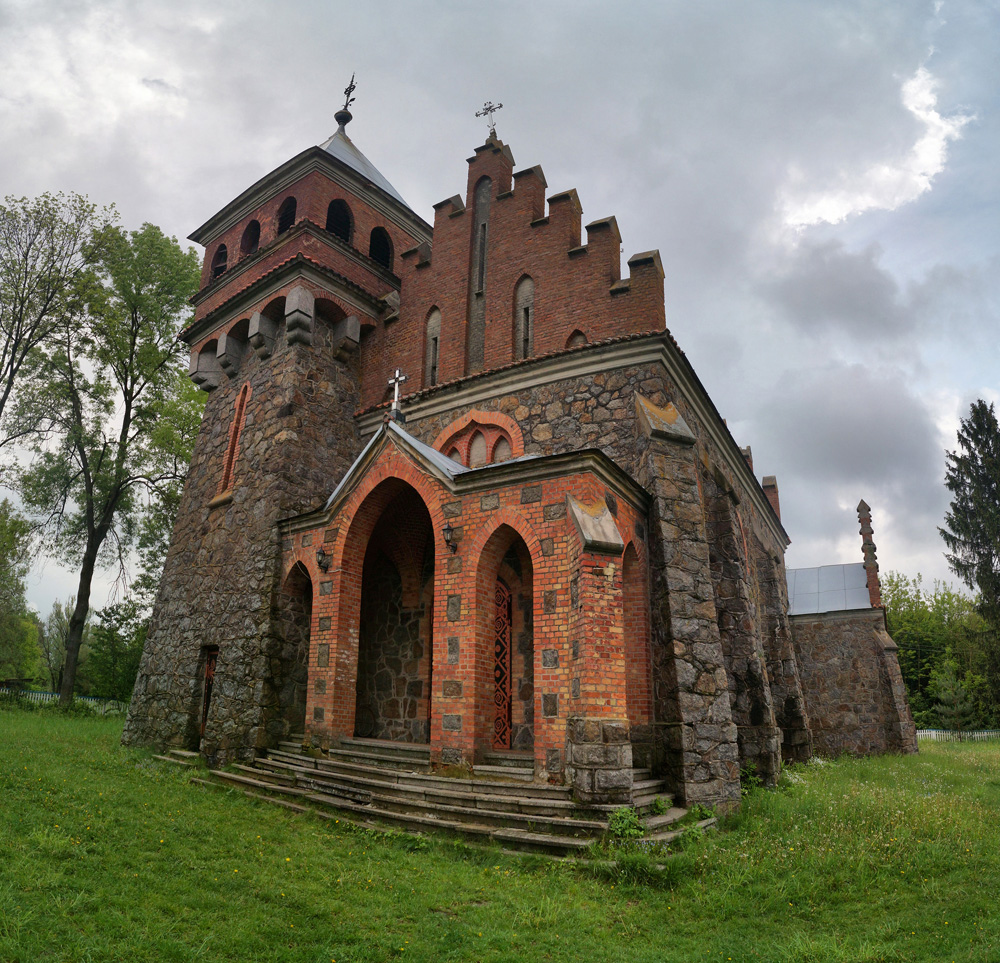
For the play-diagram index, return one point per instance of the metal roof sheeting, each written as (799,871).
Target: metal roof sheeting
(341,147)
(828,588)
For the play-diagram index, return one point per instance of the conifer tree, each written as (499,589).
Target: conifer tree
(972,526)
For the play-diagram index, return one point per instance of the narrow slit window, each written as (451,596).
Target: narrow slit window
(232,449)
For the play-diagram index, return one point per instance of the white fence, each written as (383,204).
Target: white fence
(947,735)
(99,706)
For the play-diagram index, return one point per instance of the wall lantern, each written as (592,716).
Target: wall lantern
(323,560)
(449,533)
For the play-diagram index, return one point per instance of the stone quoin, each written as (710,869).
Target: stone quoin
(552,546)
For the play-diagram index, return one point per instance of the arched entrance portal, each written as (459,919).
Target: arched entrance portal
(505,641)
(395,626)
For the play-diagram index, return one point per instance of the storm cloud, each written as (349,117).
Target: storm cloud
(820,180)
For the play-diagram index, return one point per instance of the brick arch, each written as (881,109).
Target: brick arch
(450,437)
(392,473)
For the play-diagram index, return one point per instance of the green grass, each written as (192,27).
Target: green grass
(106,855)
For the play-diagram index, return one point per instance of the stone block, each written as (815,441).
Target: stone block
(323,655)
(531,494)
(489,503)
(453,651)
(451,689)
(550,705)
(324,623)
(451,723)
(550,659)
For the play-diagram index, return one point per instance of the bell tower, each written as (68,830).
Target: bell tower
(298,273)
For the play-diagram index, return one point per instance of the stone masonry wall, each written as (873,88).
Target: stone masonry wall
(222,572)
(852,684)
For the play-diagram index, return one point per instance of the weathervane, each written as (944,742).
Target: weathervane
(344,116)
(488,109)
(348,90)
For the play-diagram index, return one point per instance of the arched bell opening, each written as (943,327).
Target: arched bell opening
(505,646)
(395,621)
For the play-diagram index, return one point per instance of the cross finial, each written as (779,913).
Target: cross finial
(489,108)
(394,382)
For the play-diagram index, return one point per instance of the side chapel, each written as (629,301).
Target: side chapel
(549,546)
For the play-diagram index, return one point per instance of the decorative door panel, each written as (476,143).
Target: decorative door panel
(502,667)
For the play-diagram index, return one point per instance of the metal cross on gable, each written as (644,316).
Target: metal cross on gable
(489,108)
(394,382)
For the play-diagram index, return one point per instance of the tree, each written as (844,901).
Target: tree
(45,247)
(954,706)
(973,524)
(115,650)
(109,374)
(18,646)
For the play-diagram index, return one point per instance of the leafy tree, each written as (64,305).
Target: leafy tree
(174,437)
(973,524)
(18,645)
(45,247)
(932,628)
(115,651)
(109,375)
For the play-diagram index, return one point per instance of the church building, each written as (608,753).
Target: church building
(457,486)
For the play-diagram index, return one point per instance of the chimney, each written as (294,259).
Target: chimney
(770,486)
(868,547)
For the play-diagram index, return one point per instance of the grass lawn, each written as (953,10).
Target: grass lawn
(106,855)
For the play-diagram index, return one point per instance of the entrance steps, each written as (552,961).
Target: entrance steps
(380,784)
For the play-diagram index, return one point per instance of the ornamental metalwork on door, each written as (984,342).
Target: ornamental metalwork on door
(502,667)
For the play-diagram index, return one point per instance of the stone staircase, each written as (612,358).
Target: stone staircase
(387,784)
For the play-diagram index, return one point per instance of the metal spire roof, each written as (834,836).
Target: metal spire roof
(341,146)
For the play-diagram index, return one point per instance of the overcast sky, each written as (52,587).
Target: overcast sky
(820,178)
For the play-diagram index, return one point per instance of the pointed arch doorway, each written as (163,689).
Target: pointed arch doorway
(393,683)
(506,677)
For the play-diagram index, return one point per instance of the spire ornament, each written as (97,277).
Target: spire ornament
(344,115)
(489,108)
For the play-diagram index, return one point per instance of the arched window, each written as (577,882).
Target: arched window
(524,318)
(251,239)
(219,261)
(286,214)
(478,452)
(339,221)
(432,348)
(380,247)
(233,448)
(576,339)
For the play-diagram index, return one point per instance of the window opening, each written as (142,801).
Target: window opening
(286,214)
(380,247)
(234,438)
(251,239)
(339,221)
(219,261)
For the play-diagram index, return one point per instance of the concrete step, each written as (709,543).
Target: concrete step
(432,792)
(521,837)
(336,764)
(414,750)
(385,760)
(659,822)
(176,761)
(667,835)
(504,772)
(513,760)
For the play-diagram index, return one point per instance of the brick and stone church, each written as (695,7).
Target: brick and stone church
(550,547)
